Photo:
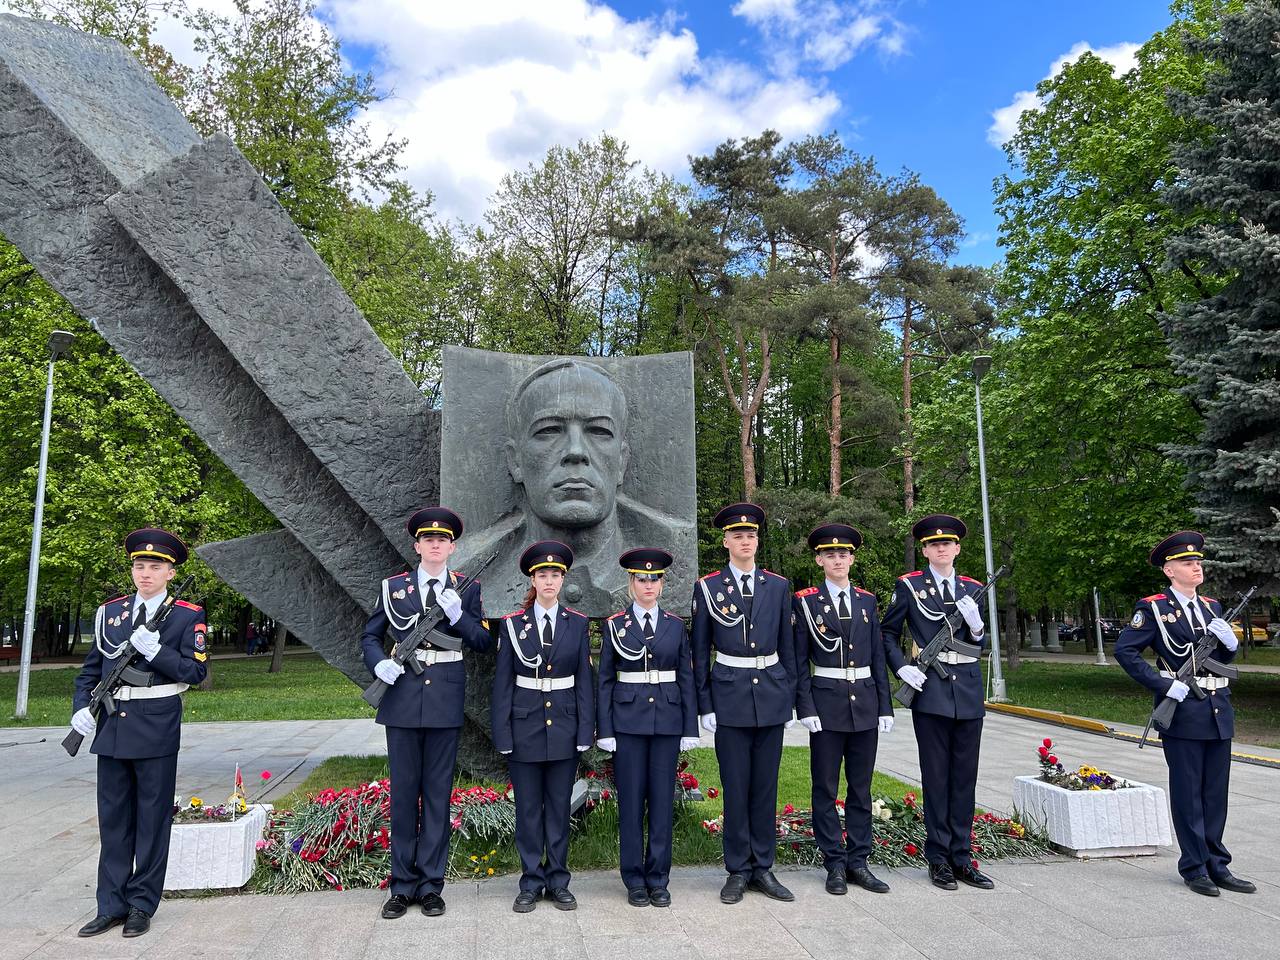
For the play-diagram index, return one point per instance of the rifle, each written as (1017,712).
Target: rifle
(406,650)
(102,702)
(1162,715)
(944,639)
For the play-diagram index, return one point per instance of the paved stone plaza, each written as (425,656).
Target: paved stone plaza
(1134,908)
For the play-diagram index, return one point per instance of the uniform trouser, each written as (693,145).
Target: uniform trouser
(857,751)
(749,758)
(543,792)
(1199,775)
(135,810)
(644,771)
(949,774)
(421,762)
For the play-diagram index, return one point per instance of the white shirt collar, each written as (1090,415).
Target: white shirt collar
(540,613)
(739,574)
(424,578)
(152,605)
(940,579)
(638,612)
(1188,603)
(834,592)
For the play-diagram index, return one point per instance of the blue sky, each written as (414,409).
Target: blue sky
(484,88)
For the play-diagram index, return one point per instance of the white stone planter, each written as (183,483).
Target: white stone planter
(1096,823)
(215,856)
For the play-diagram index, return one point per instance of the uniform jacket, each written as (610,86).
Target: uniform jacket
(642,708)
(1209,719)
(744,697)
(960,697)
(435,698)
(143,728)
(824,640)
(538,725)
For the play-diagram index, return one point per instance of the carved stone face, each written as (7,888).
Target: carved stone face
(566,446)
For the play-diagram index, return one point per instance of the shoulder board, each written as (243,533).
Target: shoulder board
(807,592)
(513,613)
(1154,596)
(865,593)
(577,613)
(713,573)
(189,606)
(1208,600)
(123,596)
(617,615)
(913,573)
(970,580)
(402,575)
(772,574)
(672,616)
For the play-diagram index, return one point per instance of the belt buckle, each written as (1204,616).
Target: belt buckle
(760,662)
(429,658)
(544,684)
(653,676)
(124,693)
(851,673)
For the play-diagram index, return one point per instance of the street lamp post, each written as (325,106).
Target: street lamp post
(59,342)
(1097,626)
(980,367)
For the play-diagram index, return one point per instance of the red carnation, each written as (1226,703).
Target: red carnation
(1052,758)
(266,774)
(1047,743)
(1044,751)
(789,808)
(910,849)
(712,792)
(605,794)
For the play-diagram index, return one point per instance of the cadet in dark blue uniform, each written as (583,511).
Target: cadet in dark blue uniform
(947,715)
(423,713)
(1197,745)
(543,717)
(842,699)
(746,696)
(137,746)
(647,714)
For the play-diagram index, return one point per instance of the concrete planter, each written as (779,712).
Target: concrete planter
(215,856)
(1096,823)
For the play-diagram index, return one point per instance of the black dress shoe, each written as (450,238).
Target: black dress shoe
(971,875)
(836,883)
(526,900)
(1204,886)
(866,880)
(941,876)
(733,889)
(1228,881)
(432,904)
(660,896)
(768,884)
(562,899)
(396,907)
(638,897)
(137,923)
(99,924)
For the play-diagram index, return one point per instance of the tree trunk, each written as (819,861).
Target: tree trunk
(277,650)
(908,480)
(1010,650)
(835,430)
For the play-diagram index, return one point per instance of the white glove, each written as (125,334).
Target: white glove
(146,642)
(789,724)
(505,753)
(82,722)
(1177,691)
(812,724)
(972,615)
(912,676)
(708,721)
(583,748)
(689,743)
(607,744)
(388,671)
(451,604)
(886,724)
(1222,630)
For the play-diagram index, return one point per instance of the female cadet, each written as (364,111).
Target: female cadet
(647,715)
(543,717)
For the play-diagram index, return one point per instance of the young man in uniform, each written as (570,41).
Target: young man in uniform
(947,713)
(746,697)
(1197,745)
(423,713)
(137,746)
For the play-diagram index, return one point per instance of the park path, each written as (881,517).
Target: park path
(1056,909)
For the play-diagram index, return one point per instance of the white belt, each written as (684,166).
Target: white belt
(950,656)
(842,673)
(647,676)
(150,693)
(439,656)
(544,683)
(1204,683)
(747,663)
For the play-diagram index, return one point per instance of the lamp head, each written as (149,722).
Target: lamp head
(980,365)
(59,343)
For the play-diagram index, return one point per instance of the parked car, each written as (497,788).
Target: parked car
(1258,633)
(1068,631)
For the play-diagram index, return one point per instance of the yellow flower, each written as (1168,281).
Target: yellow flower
(1095,787)
(491,871)
(196,803)
(474,858)
(492,852)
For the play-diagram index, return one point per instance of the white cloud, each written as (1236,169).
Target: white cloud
(1004,121)
(823,33)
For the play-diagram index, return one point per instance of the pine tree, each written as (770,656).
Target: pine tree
(1227,342)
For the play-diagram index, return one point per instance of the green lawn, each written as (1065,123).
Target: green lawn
(1108,694)
(306,689)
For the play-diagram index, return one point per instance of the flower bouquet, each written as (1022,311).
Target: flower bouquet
(1083,778)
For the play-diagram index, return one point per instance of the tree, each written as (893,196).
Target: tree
(1225,339)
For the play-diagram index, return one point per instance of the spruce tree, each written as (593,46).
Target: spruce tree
(1227,342)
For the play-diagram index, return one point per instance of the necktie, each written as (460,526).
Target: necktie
(842,606)
(139,615)
(429,599)
(1195,619)
(546,630)
(746,585)
(648,626)
(948,598)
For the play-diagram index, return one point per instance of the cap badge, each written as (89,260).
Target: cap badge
(150,547)
(648,564)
